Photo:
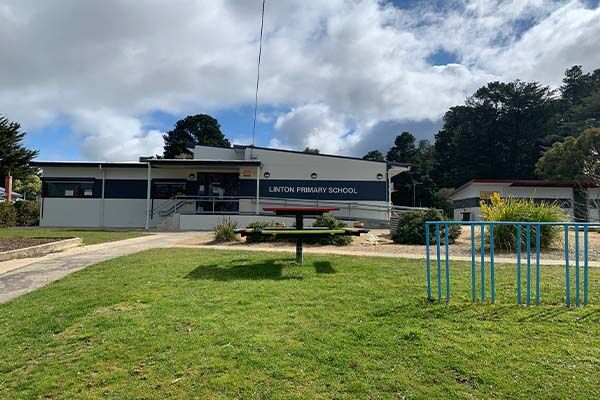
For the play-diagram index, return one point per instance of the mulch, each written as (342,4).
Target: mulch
(14,243)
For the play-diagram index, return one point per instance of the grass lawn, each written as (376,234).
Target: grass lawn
(88,237)
(209,324)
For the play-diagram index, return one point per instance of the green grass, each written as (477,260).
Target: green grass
(208,324)
(88,237)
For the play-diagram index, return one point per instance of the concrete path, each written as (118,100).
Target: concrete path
(18,277)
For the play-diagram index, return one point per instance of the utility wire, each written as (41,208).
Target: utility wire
(262,22)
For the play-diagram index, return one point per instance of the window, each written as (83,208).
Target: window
(166,190)
(69,189)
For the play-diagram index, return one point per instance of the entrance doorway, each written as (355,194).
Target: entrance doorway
(216,190)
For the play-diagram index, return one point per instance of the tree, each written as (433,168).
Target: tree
(29,186)
(310,151)
(568,159)
(374,155)
(404,149)
(14,157)
(499,133)
(416,187)
(580,103)
(200,129)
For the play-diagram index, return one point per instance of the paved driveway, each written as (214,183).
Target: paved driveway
(23,276)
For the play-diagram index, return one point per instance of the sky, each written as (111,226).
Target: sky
(105,79)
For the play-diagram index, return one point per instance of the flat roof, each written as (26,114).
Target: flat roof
(237,146)
(104,164)
(198,162)
(529,182)
(144,164)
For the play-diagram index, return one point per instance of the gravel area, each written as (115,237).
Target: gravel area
(14,243)
(462,247)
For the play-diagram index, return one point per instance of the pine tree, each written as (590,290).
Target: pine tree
(14,157)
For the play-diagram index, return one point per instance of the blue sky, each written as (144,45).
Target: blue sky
(342,76)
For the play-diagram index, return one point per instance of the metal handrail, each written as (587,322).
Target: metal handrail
(347,209)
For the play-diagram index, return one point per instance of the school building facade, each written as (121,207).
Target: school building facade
(187,194)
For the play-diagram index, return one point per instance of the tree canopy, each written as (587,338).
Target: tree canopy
(374,155)
(14,156)
(403,150)
(567,159)
(200,129)
(498,134)
(310,150)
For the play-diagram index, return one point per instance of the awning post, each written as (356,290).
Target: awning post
(148,188)
(258,190)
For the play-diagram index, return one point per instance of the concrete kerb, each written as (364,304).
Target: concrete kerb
(40,249)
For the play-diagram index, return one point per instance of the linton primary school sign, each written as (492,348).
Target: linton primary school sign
(324,190)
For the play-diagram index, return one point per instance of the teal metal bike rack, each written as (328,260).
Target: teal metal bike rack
(577,227)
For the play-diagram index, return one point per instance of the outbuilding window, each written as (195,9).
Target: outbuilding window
(67,189)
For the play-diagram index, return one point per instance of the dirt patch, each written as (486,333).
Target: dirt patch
(15,243)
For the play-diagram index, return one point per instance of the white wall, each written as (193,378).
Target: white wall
(123,213)
(506,190)
(70,212)
(288,165)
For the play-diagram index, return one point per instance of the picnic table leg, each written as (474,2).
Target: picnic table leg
(299,225)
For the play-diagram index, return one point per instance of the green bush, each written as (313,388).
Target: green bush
(28,213)
(328,221)
(411,228)
(522,210)
(224,232)
(255,238)
(8,215)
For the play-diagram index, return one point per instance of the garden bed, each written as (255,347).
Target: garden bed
(15,243)
(24,247)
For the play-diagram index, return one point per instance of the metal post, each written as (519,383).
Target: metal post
(447,262)
(577,265)
(148,189)
(439,266)
(492,272)
(428,261)
(473,263)
(585,265)
(299,251)
(482,262)
(103,173)
(519,299)
(258,190)
(528,238)
(567,272)
(537,264)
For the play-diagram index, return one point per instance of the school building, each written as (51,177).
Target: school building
(187,194)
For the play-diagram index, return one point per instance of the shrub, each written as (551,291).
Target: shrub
(28,213)
(224,232)
(8,215)
(411,228)
(521,210)
(328,221)
(254,238)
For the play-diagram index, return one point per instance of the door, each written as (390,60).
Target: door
(216,190)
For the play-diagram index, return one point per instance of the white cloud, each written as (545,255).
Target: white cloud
(113,137)
(315,126)
(335,69)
